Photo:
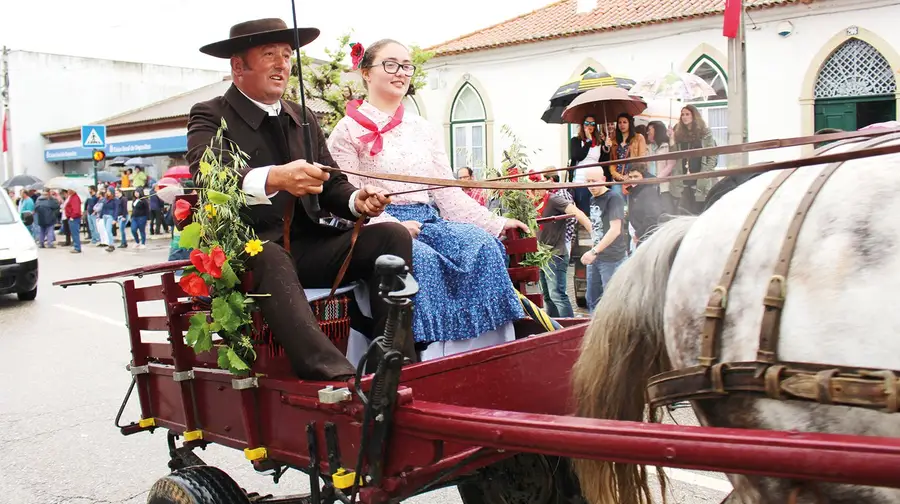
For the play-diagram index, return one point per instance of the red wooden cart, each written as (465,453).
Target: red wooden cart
(495,422)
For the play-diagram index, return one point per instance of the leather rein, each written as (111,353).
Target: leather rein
(499,183)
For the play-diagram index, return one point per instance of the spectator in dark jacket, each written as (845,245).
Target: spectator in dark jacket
(644,204)
(140,212)
(157,214)
(46,210)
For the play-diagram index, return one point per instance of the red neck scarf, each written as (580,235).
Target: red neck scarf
(375,136)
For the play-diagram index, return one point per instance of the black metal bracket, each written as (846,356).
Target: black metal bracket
(184,456)
(314,473)
(397,288)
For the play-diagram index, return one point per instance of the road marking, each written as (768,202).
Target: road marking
(85,313)
(692,478)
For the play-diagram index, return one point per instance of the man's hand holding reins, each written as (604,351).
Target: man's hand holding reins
(297,177)
(371,200)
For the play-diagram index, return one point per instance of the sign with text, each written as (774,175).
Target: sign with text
(130,148)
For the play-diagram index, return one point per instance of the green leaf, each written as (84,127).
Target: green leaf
(224,314)
(216,197)
(190,236)
(230,360)
(204,168)
(223,357)
(198,335)
(229,279)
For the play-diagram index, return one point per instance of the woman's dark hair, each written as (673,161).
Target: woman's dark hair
(631,132)
(660,133)
(597,135)
(369,58)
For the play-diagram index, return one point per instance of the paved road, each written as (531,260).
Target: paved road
(63,377)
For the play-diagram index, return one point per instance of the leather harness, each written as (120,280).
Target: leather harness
(826,384)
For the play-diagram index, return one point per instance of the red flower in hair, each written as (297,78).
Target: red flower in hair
(182,210)
(356,54)
(193,285)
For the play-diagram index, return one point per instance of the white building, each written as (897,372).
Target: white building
(50,92)
(810,64)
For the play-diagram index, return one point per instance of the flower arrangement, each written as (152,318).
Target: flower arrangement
(220,243)
(518,204)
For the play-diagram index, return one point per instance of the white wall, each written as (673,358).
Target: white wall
(50,92)
(518,81)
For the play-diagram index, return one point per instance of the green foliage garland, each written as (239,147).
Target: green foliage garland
(221,242)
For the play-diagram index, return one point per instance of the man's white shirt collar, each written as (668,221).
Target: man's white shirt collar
(273,109)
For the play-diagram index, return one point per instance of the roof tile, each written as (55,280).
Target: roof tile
(560,20)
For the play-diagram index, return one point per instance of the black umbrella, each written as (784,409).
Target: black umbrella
(570,90)
(21,180)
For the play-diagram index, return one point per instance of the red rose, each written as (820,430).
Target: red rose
(193,285)
(211,264)
(216,260)
(182,210)
(199,260)
(356,54)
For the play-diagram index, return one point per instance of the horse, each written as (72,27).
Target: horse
(842,274)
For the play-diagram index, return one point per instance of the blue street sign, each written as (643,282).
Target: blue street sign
(164,145)
(93,136)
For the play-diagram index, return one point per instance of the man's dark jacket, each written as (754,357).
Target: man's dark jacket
(270,141)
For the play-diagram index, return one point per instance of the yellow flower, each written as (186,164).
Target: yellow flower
(210,210)
(253,247)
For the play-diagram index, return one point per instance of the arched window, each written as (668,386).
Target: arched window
(855,87)
(713,108)
(468,129)
(855,69)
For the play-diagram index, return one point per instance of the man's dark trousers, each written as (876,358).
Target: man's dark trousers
(315,259)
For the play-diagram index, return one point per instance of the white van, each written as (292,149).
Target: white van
(18,252)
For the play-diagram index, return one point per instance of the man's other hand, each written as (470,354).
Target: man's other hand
(371,200)
(297,177)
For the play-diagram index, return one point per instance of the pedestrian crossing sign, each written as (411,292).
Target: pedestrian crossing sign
(93,136)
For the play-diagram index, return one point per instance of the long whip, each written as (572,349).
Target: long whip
(307,134)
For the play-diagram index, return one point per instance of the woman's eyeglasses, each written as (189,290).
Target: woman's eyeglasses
(393,67)
(590,123)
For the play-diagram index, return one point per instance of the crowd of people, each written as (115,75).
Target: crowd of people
(101,218)
(617,218)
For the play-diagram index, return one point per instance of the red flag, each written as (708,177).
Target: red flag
(5,146)
(733,13)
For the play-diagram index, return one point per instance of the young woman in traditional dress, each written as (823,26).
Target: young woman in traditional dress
(466,299)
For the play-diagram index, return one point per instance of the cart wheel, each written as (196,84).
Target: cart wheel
(524,479)
(197,485)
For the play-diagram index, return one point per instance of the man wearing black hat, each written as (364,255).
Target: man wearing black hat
(280,183)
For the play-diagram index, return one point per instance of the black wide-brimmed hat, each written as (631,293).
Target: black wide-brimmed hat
(258,32)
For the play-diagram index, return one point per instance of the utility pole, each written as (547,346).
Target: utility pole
(737,92)
(4,113)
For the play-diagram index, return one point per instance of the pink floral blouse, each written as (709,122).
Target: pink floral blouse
(411,148)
